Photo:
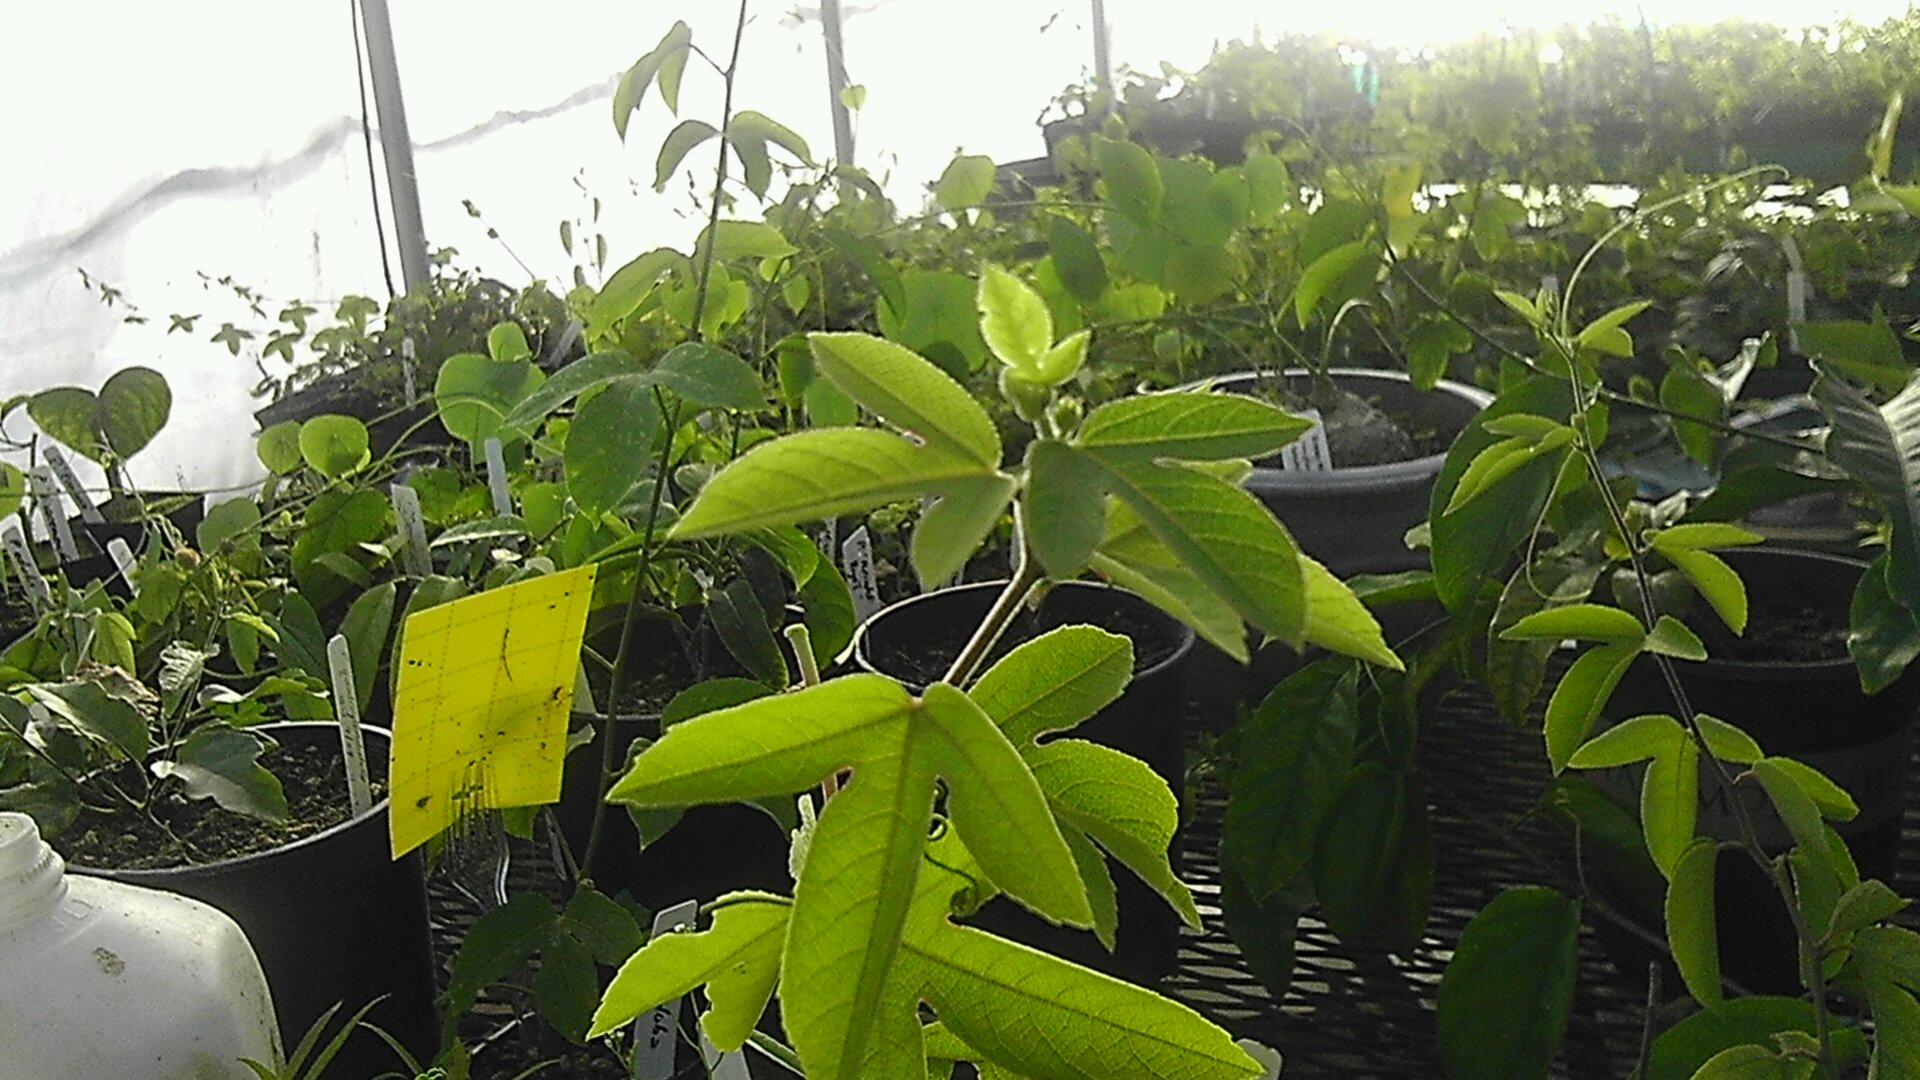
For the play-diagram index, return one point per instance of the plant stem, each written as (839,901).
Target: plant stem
(776,1050)
(617,683)
(1026,576)
(636,600)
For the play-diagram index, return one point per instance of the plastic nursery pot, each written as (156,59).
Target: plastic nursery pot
(1809,708)
(123,518)
(342,394)
(914,641)
(710,851)
(1355,520)
(334,919)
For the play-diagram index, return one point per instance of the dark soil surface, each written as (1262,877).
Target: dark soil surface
(510,1058)
(1364,431)
(1791,634)
(925,659)
(185,831)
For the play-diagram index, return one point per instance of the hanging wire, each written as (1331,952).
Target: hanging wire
(366,135)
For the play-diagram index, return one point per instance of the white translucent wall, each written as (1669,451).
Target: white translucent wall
(147,143)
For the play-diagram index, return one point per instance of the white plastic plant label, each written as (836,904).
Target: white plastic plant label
(497,479)
(22,556)
(856,562)
(1309,452)
(828,538)
(122,556)
(407,356)
(53,512)
(413,527)
(63,471)
(346,709)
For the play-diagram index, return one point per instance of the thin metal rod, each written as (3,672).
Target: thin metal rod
(830,27)
(396,144)
(1102,55)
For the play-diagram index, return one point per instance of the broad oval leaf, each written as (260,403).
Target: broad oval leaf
(1879,447)
(966,182)
(1692,932)
(1076,258)
(222,763)
(1670,637)
(1035,1015)
(609,442)
(1055,681)
(676,146)
(69,415)
(1635,739)
(1000,812)
(772,746)
(1715,581)
(133,406)
(708,377)
(737,958)
(1198,426)
(1582,693)
(579,377)
(1131,178)
(1222,535)
(1120,803)
(819,474)
(906,390)
(474,394)
(1294,752)
(279,448)
(951,529)
(1701,536)
(1507,993)
(1581,622)
(13,489)
(1337,620)
(1726,742)
(1066,511)
(1014,319)
(1334,275)
(334,446)
(1670,803)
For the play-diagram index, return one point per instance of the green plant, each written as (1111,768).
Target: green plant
(1133,489)
(1529,480)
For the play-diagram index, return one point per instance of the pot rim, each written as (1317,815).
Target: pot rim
(376,812)
(1187,637)
(1364,479)
(1784,670)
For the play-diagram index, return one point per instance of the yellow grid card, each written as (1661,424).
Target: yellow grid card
(486,685)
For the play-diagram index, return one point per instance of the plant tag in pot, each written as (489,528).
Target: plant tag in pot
(1309,452)
(406,507)
(497,479)
(22,555)
(407,353)
(346,709)
(856,562)
(122,556)
(828,538)
(52,512)
(89,513)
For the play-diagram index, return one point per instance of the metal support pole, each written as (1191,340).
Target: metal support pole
(396,145)
(830,24)
(1102,56)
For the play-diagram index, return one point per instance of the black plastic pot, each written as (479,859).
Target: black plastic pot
(334,919)
(710,851)
(1812,711)
(343,394)
(125,521)
(1145,722)
(1354,521)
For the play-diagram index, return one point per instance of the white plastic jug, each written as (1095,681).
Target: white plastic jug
(105,981)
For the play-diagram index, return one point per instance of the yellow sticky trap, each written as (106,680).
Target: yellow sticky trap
(486,685)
